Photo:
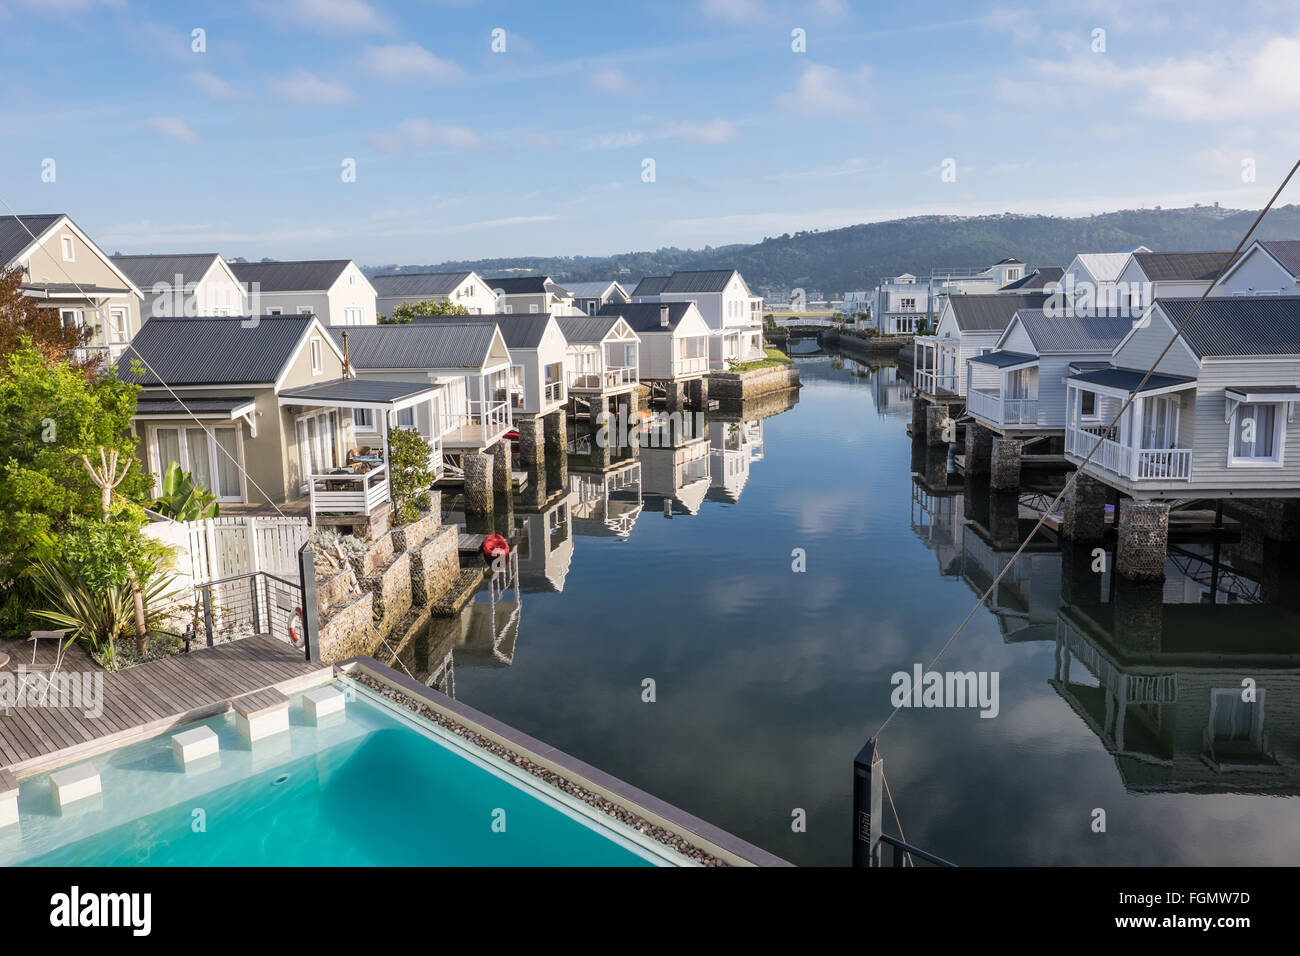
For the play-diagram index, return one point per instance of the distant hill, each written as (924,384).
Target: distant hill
(856,257)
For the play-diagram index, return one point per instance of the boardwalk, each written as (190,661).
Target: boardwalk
(146,699)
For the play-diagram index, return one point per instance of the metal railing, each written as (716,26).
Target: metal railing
(990,404)
(249,604)
(612,377)
(1135,464)
(349,494)
(490,418)
(554,391)
(928,380)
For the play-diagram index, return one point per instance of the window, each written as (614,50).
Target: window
(273,312)
(317,366)
(118,328)
(591,307)
(507,309)
(305,310)
(406,418)
(516,386)
(1160,422)
(352,316)
(352,280)
(316,452)
(1013,274)
(72,318)
(1088,404)
(69,249)
(533,307)
(907,305)
(363,418)
(211,455)
(1256,434)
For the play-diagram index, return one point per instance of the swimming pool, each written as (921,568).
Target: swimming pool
(378,786)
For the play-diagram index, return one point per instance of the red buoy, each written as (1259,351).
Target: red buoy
(495,546)
(512,436)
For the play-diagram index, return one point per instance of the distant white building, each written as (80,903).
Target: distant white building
(733,313)
(1091,278)
(901,304)
(856,303)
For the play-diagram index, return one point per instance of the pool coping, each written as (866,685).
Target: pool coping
(713,840)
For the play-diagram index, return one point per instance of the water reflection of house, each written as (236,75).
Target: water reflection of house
(732,447)
(491,620)
(675,464)
(1026,600)
(605,503)
(939,520)
(544,545)
(891,393)
(1187,697)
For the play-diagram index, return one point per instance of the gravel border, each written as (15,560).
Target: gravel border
(594,800)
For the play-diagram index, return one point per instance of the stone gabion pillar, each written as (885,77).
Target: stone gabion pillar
(478,483)
(1004,521)
(674,396)
(699,392)
(979,449)
(557,432)
(1138,616)
(1084,519)
(1004,464)
(604,434)
(1080,584)
(936,416)
(1282,519)
(1142,540)
(633,423)
(919,405)
(501,467)
(530,440)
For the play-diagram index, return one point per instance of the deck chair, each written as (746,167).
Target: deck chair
(40,677)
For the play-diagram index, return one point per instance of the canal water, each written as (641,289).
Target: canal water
(1121,734)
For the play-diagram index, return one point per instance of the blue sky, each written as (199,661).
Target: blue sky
(463,152)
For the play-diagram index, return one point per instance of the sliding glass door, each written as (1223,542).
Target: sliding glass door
(213,456)
(316,454)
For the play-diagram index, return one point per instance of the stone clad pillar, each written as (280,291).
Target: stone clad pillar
(699,392)
(674,396)
(936,416)
(478,483)
(1084,520)
(557,432)
(501,467)
(979,449)
(530,440)
(1142,540)
(1004,467)
(604,433)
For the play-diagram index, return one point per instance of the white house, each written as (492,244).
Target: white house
(1091,277)
(1217,417)
(732,312)
(901,304)
(591,297)
(1148,276)
(63,269)
(530,294)
(1267,267)
(334,290)
(968,326)
(1018,389)
(603,355)
(459,288)
(185,284)
(674,339)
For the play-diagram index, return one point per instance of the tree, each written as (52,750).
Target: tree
(106,478)
(21,317)
(409,473)
(407,311)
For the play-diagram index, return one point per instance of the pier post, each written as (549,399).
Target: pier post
(674,396)
(1142,540)
(478,483)
(919,405)
(699,392)
(979,449)
(531,439)
(501,467)
(557,437)
(1138,616)
(1004,465)
(604,433)
(1080,584)
(936,417)
(868,804)
(1084,520)
(1281,519)
(1004,521)
(631,409)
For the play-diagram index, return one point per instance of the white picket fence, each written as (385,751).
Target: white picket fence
(218,548)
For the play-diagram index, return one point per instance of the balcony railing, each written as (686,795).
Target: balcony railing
(989,404)
(688,366)
(1135,464)
(481,424)
(553,392)
(348,494)
(928,380)
(613,377)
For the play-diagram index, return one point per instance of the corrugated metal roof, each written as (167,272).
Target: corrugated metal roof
(53,288)
(427,345)
(1286,252)
(990,312)
(650,285)
(527,285)
(705,280)
(215,351)
(1104,266)
(1185,266)
(1127,379)
(583,329)
(145,271)
(304,275)
(1238,325)
(590,290)
(1036,281)
(644,316)
(147,405)
(345,390)
(520,330)
(1073,333)
(1004,359)
(419,283)
(14,239)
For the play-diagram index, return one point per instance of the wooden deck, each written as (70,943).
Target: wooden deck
(147,699)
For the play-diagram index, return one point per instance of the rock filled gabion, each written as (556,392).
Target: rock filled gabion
(596,800)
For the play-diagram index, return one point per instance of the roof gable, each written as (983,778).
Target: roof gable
(1236,326)
(217,351)
(423,345)
(991,312)
(302,275)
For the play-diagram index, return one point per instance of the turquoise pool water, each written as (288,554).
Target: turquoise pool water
(378,789)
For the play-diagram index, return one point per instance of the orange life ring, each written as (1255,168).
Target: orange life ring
(293,631)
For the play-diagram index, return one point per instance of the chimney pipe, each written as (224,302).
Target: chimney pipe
(663,316)
(347,363)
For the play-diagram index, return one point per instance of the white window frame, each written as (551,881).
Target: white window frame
(317,357)
(507,309)
(1279,438)
(533,308)
(306,310)
(119,329)
(363,419)
(275,311)
(68,245)
(183,444)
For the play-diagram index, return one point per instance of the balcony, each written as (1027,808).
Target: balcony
(1135,464)
(988,404)
(608,380)
(934,383)
(553,392)
(345,493)
(478,427)
(690,366)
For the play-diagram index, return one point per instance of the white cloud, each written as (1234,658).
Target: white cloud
(824,90)
(331,16)
(175,127)
(302,86)
(714,131)
(612,80)
(213,85)
(398,62)
(740,10)
(419,133)
(620,140)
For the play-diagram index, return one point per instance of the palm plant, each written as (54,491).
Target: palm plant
(182,499)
